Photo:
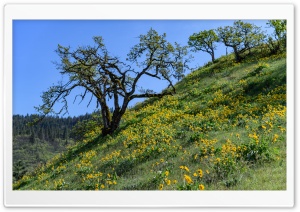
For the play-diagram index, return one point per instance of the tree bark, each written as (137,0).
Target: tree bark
(114,122)
(238,58)
(213,56)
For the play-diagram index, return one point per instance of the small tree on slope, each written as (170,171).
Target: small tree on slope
(204,41)
(242,37)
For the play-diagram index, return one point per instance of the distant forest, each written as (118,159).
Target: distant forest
(34,145)
(52,127)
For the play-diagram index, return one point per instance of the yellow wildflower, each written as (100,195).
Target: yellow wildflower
(200,172)
(184,168)
(201,187)
(275,138)
(188,179)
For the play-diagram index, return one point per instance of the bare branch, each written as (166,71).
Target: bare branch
(106,77)
(147,95)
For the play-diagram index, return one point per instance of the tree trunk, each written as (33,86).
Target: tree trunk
(238,58)
(113,124)
(105,117)
(213,56)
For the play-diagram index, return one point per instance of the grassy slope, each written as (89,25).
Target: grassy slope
(224,129)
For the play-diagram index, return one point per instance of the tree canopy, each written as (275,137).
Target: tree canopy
(241,37)
(204,41)
(277,41)
(105,77)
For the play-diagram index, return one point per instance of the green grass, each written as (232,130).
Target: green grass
(224,130)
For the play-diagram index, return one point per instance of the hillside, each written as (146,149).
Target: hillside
(35,144)
(224,129)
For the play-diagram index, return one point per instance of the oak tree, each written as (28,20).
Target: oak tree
(204,41)
(104,77)
(242,37)
(277,41)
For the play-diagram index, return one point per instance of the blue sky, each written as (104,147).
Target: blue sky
(35,42)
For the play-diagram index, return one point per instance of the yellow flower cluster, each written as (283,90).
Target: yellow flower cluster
(59,184)
(184,168)
(111,156)
(94,175)
(187,128)
(188,179)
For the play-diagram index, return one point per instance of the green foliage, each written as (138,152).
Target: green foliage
(204,41)
(82,128)
(105,77)
(258,69)
(255,151)
(218,132)
(51,127)
(242,37)
(19,170)
(32,138)
(279,28)
(34,145)
(277,42)
(196,136)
